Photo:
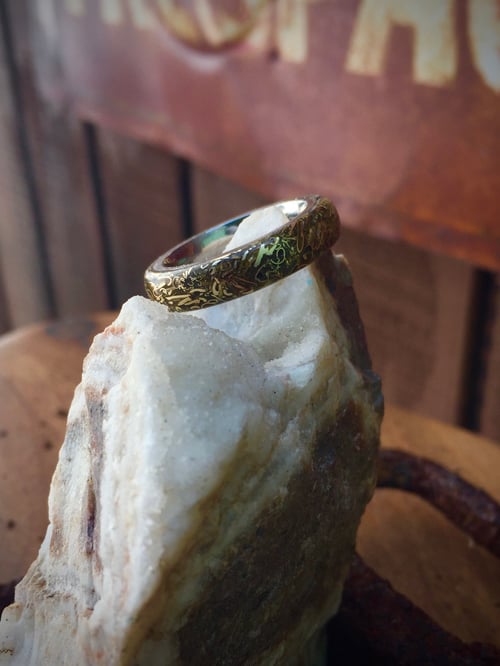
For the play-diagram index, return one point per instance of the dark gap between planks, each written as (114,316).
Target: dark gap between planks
(94,162)
(14,80)
(479,336)
(185,182)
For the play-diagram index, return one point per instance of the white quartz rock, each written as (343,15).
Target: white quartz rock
(187,434)
(259,223)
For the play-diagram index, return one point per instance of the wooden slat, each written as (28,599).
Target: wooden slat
(433,563)
(415,306)
(143,207)
(424,556)
(391,108)
(26,292)
(40,366)
(490,409)
(73,234)
(60,158)
(216,199)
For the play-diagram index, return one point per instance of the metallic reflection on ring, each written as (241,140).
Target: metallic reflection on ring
(197,274)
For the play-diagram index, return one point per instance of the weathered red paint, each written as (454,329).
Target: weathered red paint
(286,100)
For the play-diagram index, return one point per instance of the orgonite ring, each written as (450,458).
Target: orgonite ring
(198,273)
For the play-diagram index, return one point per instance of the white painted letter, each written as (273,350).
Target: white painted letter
(435,49)
(292,30)
(178,20)
(75,7)
(142,16)
(484,33)
(112,12)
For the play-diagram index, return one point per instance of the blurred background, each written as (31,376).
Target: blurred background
(126,125)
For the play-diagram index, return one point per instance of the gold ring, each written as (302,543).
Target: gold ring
(197,274)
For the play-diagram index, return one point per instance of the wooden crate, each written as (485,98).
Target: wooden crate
(120,134)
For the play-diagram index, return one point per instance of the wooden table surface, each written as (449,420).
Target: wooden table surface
(402,537)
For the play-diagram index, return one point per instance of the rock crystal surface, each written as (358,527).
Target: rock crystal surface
(210,484)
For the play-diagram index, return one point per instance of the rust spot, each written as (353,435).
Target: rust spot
(3,432)
(114,330)
(62,413)
(469,508)
(48,445)
(11,524)
(359,635)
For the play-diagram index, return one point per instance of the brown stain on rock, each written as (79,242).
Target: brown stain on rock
(89,523)
(56,538)
(94,402)
(292,558)
(300,548)
(114,329)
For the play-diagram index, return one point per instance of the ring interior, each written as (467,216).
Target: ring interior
(193,247)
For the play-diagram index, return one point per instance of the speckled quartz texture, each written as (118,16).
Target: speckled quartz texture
(215,468)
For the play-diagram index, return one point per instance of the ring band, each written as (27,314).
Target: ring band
(188,277)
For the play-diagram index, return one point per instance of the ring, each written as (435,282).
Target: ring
(197,274)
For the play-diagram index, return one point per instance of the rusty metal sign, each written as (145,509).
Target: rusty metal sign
(390,107)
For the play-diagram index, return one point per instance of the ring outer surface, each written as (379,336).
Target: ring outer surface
(192,286)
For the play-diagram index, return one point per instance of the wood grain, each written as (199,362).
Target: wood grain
(431,562)
(72,229)
(416,308)
(415,305)
(424,556)
(143,207)
(391,109)
(39,369)
(490,407)
(216,199)
(59,153)
(22,269)
(403,538)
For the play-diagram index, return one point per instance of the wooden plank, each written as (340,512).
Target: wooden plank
(216,199)
(73,233)
(143,207)
(59,153)
(423,555)
(389,107)
(490,408)
(40,366)
(26,296)
(416,310)
(415,305)
(433,563)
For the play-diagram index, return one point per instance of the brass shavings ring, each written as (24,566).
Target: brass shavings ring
(197,274)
